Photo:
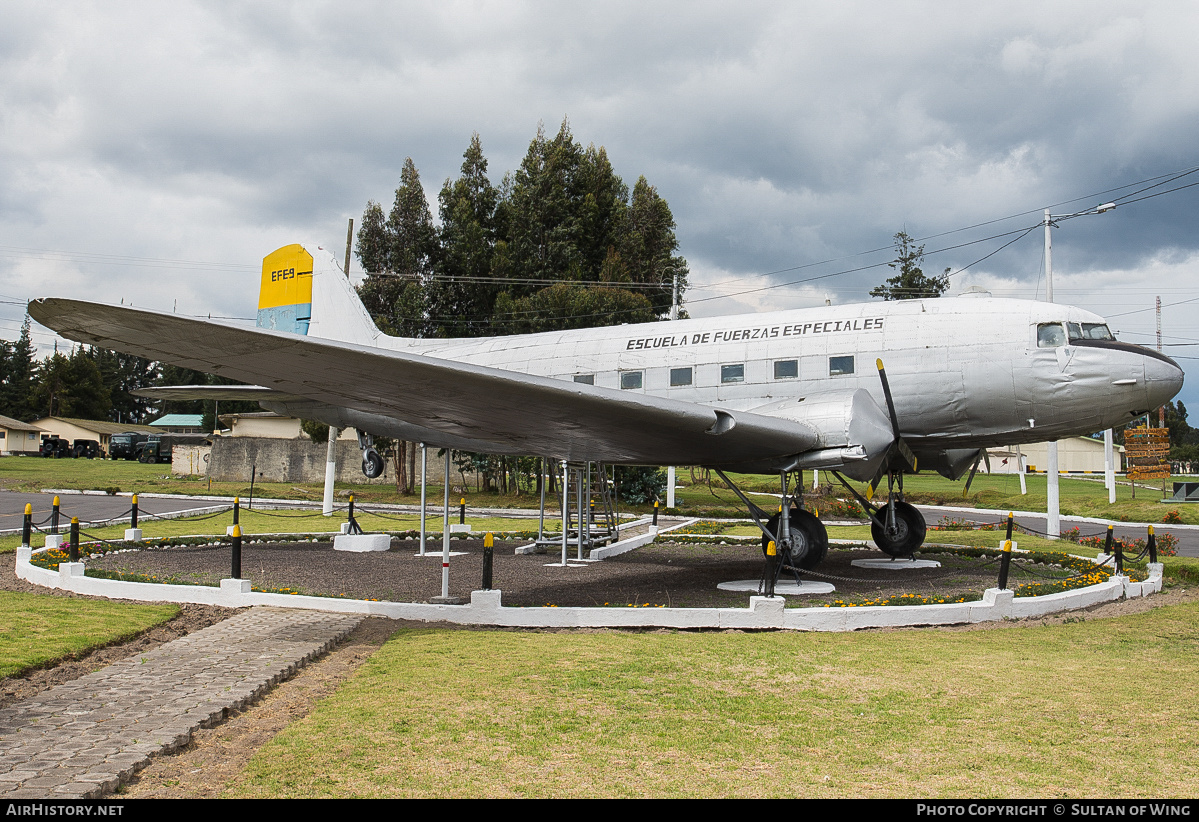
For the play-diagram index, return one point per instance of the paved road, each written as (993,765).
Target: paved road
(91,507)
(84,738)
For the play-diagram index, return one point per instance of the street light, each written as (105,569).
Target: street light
(1053,524)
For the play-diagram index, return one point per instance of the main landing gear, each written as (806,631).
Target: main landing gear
(372,463)
(898,528)
(800,538)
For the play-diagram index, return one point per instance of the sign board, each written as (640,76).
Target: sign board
(1147,451)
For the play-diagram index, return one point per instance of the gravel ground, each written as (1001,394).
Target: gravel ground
(659,575)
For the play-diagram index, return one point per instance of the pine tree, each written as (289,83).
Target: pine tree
(398,257)
(461,295)
(910,283)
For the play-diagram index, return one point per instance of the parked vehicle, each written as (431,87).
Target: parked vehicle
(55,446)
(126,446)
(86,448)
(158,447)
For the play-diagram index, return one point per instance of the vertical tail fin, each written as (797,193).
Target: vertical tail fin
(308,293)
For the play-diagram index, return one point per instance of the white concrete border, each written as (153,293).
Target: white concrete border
(485,608)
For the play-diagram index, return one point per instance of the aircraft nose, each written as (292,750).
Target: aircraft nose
(1163,378)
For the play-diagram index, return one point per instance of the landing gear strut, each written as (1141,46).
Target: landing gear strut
(372,463)
(898,528)
(800,537)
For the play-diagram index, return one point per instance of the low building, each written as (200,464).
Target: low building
(270,425)
(1075,455)
(180,424)
(18,438)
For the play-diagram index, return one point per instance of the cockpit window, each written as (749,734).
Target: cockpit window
(1089,331)
(1050,335)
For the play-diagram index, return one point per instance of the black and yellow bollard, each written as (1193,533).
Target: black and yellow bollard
(1005,564)
(27,526)
(772,559)
(655,522)
(488,559)
(237,510)
(54,517)
(462,511)
(1152,546)
(133,513)
(1107,544)
(74,549)
(236,570)
(1011,522)
(355,528)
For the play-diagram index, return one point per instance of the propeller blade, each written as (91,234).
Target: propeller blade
(973,468)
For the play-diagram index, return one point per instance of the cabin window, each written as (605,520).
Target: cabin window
(1050,335)
(1089,331)
(786,369)
(586,379)
(630,379)
(732,373)
(837,366)
(680,376)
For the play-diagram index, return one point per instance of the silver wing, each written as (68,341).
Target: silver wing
(449,403)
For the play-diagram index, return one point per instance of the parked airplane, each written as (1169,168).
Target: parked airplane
(763,393)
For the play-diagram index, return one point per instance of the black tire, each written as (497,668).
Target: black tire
(372,464)
(910,531)
(809,539)
(152,459)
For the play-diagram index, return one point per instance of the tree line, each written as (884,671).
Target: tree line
(560,243)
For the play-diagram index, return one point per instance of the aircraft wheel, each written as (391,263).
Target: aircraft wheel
(372,463)
(909,532)
(809,539)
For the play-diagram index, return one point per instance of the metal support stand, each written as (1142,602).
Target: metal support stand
(445,532)
(424,453)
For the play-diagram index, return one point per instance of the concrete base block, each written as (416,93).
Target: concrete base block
(235,586)
(460,528)
(133,535)
(783,587)
(895,564)
(486,603)
(997,597)
(55,541)
(530,549)
(362,542)
(24,554)
(345,528)
(70,569)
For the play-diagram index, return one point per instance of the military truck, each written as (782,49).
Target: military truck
(159,446)
(125,446)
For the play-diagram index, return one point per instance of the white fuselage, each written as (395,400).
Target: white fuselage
(964,372)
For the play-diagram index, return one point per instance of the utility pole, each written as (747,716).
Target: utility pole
(1053,522)
(349,245)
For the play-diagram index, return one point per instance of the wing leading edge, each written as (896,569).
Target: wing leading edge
(453,401)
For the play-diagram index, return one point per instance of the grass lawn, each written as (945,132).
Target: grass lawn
(282,522)
(1090,708)
(36,628)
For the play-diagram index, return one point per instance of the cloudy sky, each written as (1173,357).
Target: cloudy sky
(155,152)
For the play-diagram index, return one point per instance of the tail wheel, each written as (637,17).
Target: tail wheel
(372,463)
(908,534)
(809,539)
